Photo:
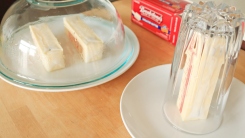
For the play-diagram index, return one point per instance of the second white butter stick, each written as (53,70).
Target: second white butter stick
(89,45)
(50,50)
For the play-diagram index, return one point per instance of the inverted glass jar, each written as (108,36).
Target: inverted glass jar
(203,66)
(22,62)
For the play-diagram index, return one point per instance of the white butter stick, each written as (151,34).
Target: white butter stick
(209,77)
(50,51)
(189,79)
(198,84)
(136,15)
(89,45)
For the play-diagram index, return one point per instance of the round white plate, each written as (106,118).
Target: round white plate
(131,42)
(141,108)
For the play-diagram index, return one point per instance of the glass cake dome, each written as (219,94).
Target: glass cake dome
(52,44)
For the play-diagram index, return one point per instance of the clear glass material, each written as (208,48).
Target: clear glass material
(42,44)
(203,66)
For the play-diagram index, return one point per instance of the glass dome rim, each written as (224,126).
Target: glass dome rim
(55,4)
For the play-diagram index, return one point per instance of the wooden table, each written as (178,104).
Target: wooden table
(92,112)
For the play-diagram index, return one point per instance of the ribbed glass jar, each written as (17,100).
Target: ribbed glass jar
(203,66)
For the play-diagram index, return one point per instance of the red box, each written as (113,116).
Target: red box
(159,16)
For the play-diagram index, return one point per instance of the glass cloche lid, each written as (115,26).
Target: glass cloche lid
(61,43)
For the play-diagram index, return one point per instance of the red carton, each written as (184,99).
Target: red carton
(159,16)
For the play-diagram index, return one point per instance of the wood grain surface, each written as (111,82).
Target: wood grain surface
(89,113)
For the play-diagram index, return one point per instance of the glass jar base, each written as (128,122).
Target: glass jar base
(194,126)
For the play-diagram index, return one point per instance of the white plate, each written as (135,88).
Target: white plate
(131,42)
(141,108)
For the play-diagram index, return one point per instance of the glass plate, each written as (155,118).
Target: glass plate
(77,75)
